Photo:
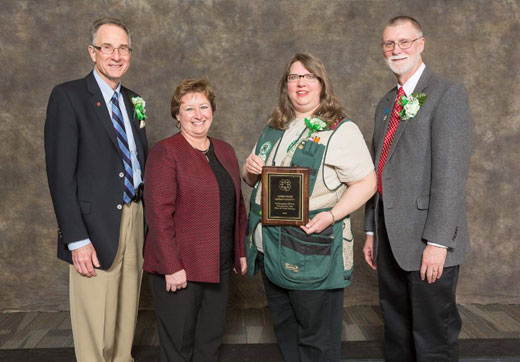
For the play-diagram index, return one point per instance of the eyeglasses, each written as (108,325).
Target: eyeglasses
(403,44)
(296,77)
(108,49)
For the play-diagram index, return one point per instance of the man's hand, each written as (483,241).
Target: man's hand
(176,281)
(85,259)
(243,266)
(318,223)
(368,251)
(432,263)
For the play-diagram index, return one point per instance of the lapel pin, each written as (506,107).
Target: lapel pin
(386,113)
(98,104)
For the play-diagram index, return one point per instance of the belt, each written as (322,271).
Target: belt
(138,193)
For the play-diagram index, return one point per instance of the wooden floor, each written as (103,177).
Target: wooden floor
(360,323)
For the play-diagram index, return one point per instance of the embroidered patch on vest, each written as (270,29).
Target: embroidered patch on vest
(264,149)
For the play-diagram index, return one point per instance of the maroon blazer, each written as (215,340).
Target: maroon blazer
(182,206)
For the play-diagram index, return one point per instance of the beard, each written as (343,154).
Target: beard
(406,66)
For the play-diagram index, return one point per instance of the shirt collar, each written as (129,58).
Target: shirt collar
(106,90)
(411,83)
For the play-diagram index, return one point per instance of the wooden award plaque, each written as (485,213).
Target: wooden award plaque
(285,196)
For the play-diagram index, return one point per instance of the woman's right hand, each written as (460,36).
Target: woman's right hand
(176,280)
(254,164)
(252,169)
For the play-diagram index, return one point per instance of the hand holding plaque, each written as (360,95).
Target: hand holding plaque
(285,195)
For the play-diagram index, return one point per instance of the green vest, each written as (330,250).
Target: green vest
(293,259)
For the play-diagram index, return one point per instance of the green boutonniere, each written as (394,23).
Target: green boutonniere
(139,110)
(315,124)
(411,105)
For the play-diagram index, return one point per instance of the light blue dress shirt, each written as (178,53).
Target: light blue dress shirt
(107,93)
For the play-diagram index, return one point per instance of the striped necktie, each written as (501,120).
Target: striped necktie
(122,140)
(389,137)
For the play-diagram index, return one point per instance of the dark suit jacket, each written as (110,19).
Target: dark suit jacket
(183,210)
(424,179)
(84,166)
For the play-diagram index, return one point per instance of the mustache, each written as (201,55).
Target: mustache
(395,57)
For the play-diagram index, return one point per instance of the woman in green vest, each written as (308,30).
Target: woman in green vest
(305,269)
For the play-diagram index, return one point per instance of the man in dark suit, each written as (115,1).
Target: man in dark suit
(95,148)
(417,232)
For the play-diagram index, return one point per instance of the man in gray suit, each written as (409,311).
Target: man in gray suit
(416,224)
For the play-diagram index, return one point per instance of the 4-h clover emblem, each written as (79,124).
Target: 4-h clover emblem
(285,184)
(264,149)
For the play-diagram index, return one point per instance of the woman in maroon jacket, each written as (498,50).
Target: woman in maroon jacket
(197,221)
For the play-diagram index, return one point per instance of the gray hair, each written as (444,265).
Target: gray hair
(107,20)
(401,19)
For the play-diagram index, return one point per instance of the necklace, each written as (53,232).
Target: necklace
(202,151)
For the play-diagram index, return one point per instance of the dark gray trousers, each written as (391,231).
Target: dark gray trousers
(190,321)
(422,322)
(307,323)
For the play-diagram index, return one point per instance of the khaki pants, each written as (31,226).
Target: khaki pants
(104,308)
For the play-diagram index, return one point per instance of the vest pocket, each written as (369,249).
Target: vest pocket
(305,258)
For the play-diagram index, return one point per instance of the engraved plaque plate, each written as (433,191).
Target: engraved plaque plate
(285,195)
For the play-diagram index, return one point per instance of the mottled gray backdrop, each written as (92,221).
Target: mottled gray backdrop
(242,46)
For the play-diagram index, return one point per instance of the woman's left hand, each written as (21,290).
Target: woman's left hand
(318,223)
(243,266)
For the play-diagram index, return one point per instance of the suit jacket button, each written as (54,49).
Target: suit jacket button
(119,206)
(121,174)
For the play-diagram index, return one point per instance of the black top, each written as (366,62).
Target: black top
(227,208)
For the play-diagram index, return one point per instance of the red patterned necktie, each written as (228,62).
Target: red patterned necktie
(389,137)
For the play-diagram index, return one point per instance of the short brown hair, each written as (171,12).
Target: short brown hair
(401,19)
(329,109)
(112,21)
(192,85)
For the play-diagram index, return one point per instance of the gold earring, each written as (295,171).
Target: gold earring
(178,125)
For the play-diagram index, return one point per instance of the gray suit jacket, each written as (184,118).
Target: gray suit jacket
(424,179)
